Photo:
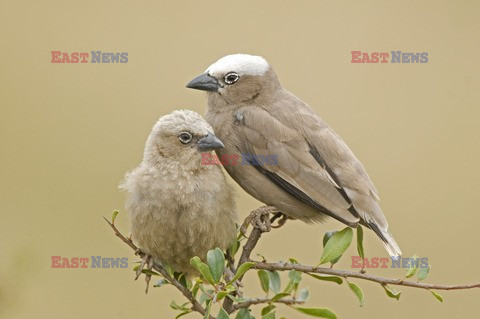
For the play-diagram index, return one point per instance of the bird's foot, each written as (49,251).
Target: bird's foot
(259,218)
(283,219)
(148,276)
(146,263)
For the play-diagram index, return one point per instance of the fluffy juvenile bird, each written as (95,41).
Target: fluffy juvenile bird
(315,173)
(178,207)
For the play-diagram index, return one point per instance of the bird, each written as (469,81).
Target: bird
(314,174)
(178,207)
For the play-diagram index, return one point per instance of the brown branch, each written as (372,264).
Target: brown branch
(195,304)
(256,301)
(353,274)
(252,241)
(255,235)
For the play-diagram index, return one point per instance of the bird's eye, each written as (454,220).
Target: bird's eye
(185,137)
(231,78)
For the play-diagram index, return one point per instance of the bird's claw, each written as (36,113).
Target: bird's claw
(259,218)
(146,263)
(148,276)
(283,219)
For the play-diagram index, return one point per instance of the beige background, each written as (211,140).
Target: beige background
(69,132)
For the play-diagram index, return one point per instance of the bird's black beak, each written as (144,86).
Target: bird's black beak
(209,143)
(204,82)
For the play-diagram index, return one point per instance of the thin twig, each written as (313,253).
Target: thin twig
(256,301)
(353,274)
(252,240)
(195,304)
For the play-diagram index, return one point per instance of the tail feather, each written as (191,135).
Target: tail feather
(388,241)
(372,216)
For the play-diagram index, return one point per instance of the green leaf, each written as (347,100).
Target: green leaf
(240,271)
(207,311)
(237,299)
(318,312)
(267,309)
(146,271)
(216,263)
(290,287)
(263,258)
(205,296)
(150,272)
(183,307)
(412,269)
(195,289)
(336,279)
(222,314)
(326,238)
(295,276)
(270,315)
(436,295)
(391,292)
(275,282)
(228,289)
(360,250)
(197,263)
(169,270)
(279,296)
(358,292)
(423,273)
(183,280)
(264,280)
(232,250)
(183,314)
(303,295)
(221,295)
(244,313)
(114,216)
(336,245)
(174,305)
(208,291)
